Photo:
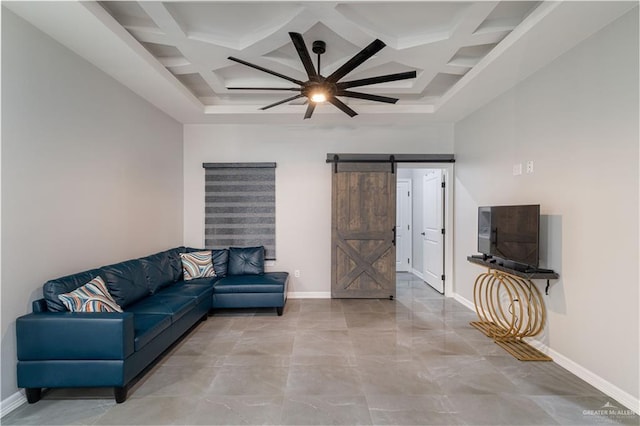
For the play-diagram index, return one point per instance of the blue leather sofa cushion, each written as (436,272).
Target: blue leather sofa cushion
(207,281)
(148,326)
(127,281)
(220,260)
(53,288)
(199,292)
(158,270)
(39,305)
(175,263)
(271,282)
(175,306)
(246,261)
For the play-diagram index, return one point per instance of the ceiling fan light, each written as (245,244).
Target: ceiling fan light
(318,97)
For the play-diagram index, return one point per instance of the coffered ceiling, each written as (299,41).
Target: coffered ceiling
(175,54)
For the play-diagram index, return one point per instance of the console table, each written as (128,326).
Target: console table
(510,307)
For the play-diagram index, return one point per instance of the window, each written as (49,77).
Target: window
(240,206)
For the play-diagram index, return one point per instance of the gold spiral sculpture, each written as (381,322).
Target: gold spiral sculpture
(509,309)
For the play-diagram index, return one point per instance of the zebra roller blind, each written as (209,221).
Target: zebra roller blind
(240,206)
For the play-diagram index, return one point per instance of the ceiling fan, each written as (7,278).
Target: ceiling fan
(317,88)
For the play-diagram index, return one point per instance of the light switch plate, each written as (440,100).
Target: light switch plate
(517,169)
(530,166)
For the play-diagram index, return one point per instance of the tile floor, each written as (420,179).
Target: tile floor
(412,361)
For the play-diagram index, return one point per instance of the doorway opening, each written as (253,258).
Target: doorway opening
(424,219)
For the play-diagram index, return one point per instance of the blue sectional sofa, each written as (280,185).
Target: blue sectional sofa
(58,349)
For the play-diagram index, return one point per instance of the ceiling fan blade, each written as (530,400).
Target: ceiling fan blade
(375,80)
(367,96)
(281,102)
(358,59)
(310,109)
(342,106)
(301,47)
(293,89)
(258,67)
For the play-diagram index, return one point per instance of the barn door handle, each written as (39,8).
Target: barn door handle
(394,236)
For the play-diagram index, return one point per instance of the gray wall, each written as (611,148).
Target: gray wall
(577,119)
(91,173)
(303,181)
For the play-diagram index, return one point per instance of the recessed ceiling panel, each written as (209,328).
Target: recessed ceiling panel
(405,19)
(229,20)
(128,14)
(469,56)
(162,50)
(441,84)
(507,14)
(441,40)
(196,84)
(176,53)
(434,38)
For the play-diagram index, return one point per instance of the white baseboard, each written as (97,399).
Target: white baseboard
(309,295)
(11,403)
(588,376)
(417,274)
(469,304)
(626,399)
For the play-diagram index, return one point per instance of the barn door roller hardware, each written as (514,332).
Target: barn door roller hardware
(392,159)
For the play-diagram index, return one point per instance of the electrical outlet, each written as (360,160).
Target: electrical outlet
(517,169)
(530,166)
(296,273)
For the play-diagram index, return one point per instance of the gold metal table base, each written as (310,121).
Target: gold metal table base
(509,309)
(518,348)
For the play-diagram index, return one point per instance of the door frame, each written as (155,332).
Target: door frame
(448,175)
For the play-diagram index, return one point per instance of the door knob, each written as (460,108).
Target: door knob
(422,233)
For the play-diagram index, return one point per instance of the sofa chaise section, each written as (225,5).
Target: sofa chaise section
(268,290)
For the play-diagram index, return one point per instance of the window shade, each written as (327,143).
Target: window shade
(240,206)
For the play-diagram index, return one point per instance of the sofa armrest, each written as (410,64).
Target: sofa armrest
(74,335)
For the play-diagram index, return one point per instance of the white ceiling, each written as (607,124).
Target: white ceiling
(174,54)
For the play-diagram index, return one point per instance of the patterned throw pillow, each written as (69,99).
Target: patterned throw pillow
(197,264)
(91,297)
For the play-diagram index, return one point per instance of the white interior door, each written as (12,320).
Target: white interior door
(433,238)
(403,225)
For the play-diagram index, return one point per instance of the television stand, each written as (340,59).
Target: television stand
(510,307)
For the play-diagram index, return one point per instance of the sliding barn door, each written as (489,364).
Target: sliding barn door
(363,254)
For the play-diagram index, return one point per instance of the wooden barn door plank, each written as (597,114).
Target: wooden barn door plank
(363,253)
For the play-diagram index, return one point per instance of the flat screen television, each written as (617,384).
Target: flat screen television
(511,234)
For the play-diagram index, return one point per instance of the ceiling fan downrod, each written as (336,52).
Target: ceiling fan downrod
(319,47)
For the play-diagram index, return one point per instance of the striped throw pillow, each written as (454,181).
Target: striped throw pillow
(197,264)
(91,297)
